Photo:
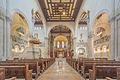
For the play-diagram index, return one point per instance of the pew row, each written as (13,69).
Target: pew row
(89,65)
(83,65)
(20,72)
(100,72)
(36,65)
(108,78)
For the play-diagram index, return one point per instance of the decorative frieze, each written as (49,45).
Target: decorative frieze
(18,39)
(102,40)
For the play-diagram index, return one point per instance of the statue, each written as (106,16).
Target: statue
(81,35)
(40,53)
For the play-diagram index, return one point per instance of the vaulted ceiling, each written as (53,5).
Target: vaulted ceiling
(60,10)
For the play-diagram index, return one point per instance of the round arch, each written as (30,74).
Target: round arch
(14,11)
(21,22)
(99,13)
(61,38)
(49,29)
(19,31)
(65,41)
(102,30)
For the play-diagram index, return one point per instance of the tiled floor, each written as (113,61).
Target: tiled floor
(60,71)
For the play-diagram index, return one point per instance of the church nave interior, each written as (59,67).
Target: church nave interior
(59,39)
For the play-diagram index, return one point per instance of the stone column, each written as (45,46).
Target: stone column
(46,47)
(113,44)
(113,40)
(90,45)
(8,38)
(2,24)
(5,39)
(75,46)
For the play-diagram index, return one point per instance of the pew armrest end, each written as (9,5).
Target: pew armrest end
(108,78)
(91,74)
(13,78)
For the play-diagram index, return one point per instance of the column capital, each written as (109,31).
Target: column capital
(8,19)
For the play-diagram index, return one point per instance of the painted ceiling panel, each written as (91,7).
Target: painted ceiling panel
(59,8)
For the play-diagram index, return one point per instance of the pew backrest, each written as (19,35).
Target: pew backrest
(2,74)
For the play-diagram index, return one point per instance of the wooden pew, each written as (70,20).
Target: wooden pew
(18,71)
(37,65)
(13,78)
(81,61)
(33,65)
(101,72)
(108,78)
(42,63)
(89,65)
(2,74)
(77,63)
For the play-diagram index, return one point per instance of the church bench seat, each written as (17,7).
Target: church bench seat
(83,65)
(77,63)
(32,65)
(43,63)
(2,74)
(13,78)
(101,72)
(20,72)
(37,65)
(108,78)
(89,65)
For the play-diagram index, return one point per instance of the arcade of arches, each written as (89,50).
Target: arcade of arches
(57,34)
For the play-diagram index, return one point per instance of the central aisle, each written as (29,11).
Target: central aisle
(60,72)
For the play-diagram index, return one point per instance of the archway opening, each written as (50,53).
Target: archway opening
(60,46)
(60,42)
(102,34)
(19,34)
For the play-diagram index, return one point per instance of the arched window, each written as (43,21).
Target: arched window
(98,49)
(63,44)
(58,44)
(104,48)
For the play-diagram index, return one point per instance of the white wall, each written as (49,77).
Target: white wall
(2,29)
(96,8)
(25,7)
